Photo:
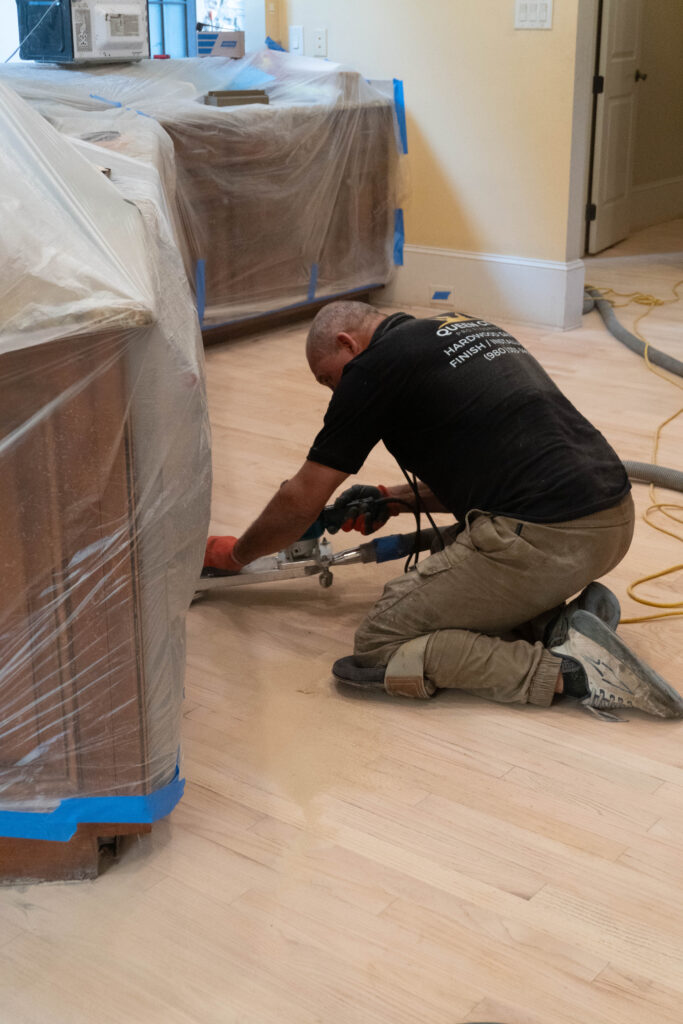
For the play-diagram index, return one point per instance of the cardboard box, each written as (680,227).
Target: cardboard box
(220,44)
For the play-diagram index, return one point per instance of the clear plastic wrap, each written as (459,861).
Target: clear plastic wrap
(274,205)
(105,477)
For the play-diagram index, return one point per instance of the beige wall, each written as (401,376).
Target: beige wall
(659,123)
(489,113)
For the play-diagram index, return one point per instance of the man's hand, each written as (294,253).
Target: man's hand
(361,507)
(220,554)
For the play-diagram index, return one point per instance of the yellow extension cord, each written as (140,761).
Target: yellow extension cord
(665,508)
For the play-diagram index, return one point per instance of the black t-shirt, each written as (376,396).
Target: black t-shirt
(463,405)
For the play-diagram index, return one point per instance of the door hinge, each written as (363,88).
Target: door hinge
(591,211)
(598,84)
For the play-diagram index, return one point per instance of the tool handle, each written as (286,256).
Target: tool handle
(397,545)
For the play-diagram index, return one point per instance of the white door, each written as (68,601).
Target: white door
(615,122)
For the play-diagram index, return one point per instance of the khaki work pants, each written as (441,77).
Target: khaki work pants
(471,617)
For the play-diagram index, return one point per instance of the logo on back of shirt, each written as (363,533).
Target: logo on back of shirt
(452,318)
(453,323)
(469,338)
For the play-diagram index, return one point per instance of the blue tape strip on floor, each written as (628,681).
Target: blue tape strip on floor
(399,237)
(294,305)
(400,104)
(313,282)
(441,296)
(200,286)
(61,824)
(272,45)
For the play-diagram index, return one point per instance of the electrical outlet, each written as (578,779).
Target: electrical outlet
(296,40)
(320,42)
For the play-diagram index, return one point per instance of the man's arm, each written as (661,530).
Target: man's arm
(289,512)
(430,503)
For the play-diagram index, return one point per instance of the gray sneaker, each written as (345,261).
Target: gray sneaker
(595,598)
(616,678)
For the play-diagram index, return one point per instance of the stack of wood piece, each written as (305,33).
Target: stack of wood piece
(235,97)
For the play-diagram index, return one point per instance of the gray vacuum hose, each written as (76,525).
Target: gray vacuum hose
(646,473)
(592,299)
(638,472)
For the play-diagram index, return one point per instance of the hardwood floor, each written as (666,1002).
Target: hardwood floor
(354,859)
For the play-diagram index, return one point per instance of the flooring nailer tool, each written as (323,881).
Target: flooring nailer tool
(312,555)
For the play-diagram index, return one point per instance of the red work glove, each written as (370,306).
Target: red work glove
(360,508)
(220,554)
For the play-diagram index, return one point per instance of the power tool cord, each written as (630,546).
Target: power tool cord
(418,510)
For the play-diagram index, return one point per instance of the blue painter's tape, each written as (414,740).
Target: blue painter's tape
(60,824)
(200,287)
(112,103)
(399,237)
(313,282)
(272,45)
(115,103)
(441,296)
(400,104)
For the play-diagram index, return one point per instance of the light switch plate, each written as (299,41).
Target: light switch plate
(296,40)
(533,14)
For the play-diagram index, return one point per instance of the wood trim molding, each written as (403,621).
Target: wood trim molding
(543,292)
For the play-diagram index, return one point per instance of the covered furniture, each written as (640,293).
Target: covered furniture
(105,482)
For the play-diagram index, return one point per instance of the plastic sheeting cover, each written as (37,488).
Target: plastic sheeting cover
(104,470)
(277,200)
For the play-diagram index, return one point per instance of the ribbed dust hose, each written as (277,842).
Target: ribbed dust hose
(593,299)
(646,473)
(638,472)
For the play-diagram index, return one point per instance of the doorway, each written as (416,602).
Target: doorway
(635,155)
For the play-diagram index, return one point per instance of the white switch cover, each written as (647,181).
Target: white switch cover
(320,42)
(296,40)
(533,13)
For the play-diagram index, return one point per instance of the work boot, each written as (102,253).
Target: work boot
(597,599)
(613,677)
(347,670)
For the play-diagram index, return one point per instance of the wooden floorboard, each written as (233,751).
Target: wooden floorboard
(352,859)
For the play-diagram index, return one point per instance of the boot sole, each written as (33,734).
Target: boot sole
(345,670)
(597,599)
(588,641)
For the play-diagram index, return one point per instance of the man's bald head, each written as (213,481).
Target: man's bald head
(339,332)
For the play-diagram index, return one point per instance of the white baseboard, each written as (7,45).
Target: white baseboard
(511,288)
(652,204)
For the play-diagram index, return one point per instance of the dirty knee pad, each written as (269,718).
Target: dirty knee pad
(404,675)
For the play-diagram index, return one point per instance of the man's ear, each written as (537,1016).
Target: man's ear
(349,343)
